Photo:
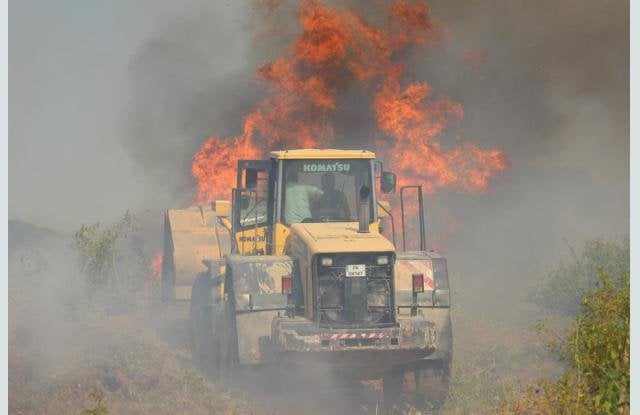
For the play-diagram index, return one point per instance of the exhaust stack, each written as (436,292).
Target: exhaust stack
(363,210)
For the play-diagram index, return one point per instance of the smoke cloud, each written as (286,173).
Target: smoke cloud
(545,81)
(553,93)
(549,86)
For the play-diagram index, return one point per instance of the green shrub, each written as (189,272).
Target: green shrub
(99,255)
(597,352)
(563,289)
(98,407)
(598,346)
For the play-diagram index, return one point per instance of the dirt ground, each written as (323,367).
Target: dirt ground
(64,347)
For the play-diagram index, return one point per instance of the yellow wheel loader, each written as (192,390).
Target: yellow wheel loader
(296,270)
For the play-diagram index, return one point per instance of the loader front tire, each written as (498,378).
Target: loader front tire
(201,336)
(392,390)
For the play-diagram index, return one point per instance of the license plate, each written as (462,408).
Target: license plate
(359,270)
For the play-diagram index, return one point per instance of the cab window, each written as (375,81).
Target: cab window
(253,197)
(323,190)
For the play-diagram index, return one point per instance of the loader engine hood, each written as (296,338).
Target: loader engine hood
(336,237)
(347,275)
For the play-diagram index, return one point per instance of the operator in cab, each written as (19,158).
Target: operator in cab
(298,199)
(333,202)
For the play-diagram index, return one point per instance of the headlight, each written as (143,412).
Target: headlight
(326,261)
(382,260)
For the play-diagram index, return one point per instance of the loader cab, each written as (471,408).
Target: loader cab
(301,186)
(325,190)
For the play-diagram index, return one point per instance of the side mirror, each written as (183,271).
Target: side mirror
(388,182)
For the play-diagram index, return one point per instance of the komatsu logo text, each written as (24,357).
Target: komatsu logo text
(322,167)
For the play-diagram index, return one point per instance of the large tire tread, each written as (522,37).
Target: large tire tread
(201,336)
(392,382)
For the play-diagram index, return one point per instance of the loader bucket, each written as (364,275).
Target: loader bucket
(191,236)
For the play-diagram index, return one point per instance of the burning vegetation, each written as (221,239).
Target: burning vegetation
(339,49)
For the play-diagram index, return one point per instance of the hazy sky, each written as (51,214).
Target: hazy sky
(68,89)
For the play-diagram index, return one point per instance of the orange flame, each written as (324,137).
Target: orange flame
(214,165)
(336,47)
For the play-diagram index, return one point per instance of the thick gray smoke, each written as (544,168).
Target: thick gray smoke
(553,93)
(551,90)
(191,80)
(546,81)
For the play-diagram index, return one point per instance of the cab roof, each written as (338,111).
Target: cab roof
(313,153)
